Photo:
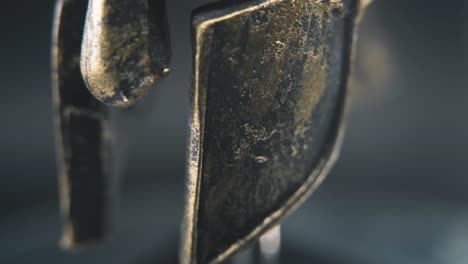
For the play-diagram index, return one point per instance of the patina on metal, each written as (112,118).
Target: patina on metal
(125,49)
(82,134)
(268,103)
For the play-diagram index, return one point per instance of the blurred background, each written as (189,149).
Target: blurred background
(397,195)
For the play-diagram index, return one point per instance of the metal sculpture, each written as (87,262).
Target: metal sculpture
(267,109)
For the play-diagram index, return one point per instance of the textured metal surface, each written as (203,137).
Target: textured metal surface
(269,92)
(125,49)
(82,134)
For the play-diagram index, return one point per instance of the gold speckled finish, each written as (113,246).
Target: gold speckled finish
(268,103)
(125,49)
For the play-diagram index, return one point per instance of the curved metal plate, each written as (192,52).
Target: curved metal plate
(82,134)
(268,101)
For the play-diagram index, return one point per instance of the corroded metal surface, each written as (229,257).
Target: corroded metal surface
(125,49)
(268,101)
(82,134)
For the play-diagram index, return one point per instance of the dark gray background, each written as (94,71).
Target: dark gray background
(397,195)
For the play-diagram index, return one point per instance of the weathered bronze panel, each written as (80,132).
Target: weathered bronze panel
(269,92)
(82,133)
